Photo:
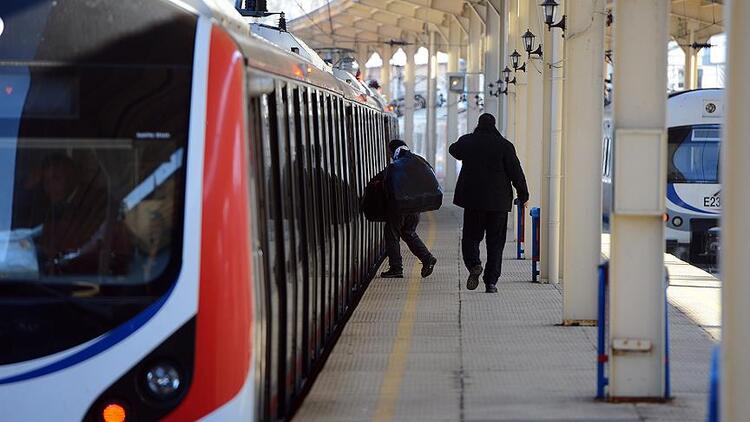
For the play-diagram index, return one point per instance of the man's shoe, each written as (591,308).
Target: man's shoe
(473,281)
(392,273)
(428,266)
(490,288)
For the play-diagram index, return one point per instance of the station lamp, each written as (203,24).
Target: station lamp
(549,15)
(506,73)
(528,44)
(514,58)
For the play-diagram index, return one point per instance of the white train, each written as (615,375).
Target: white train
(693,189)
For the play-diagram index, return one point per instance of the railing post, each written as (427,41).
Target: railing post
(520,229)
(535,242)
(601,343)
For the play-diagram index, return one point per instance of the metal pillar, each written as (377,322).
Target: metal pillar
(534,97)
(582,128)
(552,43)
(494,51)
(409,81)
(474,67)
(691,60)
(431,132)
(735,363)
(454,50)
(386,53)
(520,87)
(636,268)
(554,244)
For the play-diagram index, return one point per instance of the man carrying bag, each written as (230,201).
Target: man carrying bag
(409,187)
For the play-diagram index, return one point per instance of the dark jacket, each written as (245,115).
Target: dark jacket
(490,165)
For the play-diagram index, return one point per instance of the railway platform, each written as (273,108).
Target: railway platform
(428,349)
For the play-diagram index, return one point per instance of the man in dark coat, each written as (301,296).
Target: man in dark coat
(483,190)
(403,226)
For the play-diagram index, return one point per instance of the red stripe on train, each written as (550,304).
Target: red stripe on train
(224,321)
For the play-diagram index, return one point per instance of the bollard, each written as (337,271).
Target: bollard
(601,341)
(713,386)
(520,229)
(667,375)
(535,242)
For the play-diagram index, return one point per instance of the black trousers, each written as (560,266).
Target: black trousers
(403,227)
(476,224)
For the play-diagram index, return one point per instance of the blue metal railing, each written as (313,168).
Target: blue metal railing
(601,324)
(520,229)
(535,242)
(713,386)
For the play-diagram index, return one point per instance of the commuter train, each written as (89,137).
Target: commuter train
(180,234)
(693,190)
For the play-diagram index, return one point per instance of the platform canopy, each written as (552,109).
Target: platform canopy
(358,24)
(371,24)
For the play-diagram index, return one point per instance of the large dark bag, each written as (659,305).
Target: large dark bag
(374,203)
(412,185)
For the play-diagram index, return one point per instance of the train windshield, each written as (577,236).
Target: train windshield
(693,153)
(93,146)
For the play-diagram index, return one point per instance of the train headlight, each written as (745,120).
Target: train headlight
(677,221)
(114,412)
(163,380)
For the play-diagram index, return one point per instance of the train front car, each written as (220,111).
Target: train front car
(125,279)
(693,189)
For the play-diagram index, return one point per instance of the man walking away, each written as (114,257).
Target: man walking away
(483,190)
(400,225)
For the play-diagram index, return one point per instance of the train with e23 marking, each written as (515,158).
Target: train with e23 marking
(180,236)
(693,191)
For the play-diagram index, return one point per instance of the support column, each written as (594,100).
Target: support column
(691,60)
(534,168)
(494,50)
(582,138)
(474,67)
(510,99)
(454,39)
(549,248)
(431,132)
(386,53)
(409,81)
(735,336)
(637,294)
(554,245)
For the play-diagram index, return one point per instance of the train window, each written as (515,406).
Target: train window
(92,188)
(693,154)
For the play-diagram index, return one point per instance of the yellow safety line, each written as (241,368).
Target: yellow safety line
(394,374)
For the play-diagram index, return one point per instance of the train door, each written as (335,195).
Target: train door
(328,205)
(316,155)
(310,255)
(299,238)
(268,193)
(285,238)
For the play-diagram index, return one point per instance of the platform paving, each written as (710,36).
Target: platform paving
(429,350)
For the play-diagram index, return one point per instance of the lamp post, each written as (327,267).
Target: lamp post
(549,7)
(528,43)
(514,58)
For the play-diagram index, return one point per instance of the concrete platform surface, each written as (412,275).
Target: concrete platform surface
(430,350)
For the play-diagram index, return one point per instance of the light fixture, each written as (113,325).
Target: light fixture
(163,380)
(528,44)
(506,73)
(549,15)
(514,58)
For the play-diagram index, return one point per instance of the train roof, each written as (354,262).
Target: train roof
(269,50)
(698,106)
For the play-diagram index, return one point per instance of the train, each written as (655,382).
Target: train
(693,189)
(180,233)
